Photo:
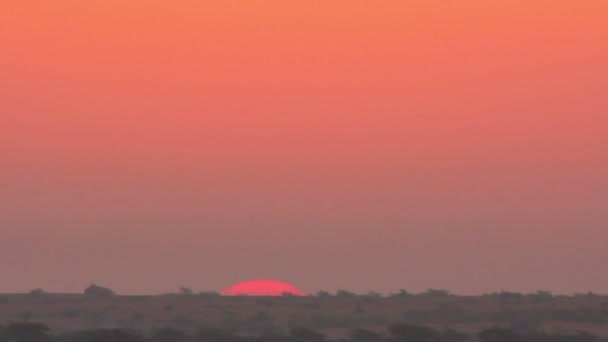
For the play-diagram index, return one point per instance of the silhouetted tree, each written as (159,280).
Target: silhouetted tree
(437,293)
(323,294)
(403,293)
(186,291)
(98,291)
(38,292)
(345,294)
(541,297)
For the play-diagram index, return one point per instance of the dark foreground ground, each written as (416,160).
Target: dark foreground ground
(431,316)
(36,332)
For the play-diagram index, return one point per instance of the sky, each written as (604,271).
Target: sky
(360,145)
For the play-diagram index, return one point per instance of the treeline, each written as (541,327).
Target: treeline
(37,332)
(540,296)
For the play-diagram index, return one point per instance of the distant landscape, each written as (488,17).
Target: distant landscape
(278,159)
(324,315)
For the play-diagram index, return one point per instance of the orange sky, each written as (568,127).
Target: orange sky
(366,145)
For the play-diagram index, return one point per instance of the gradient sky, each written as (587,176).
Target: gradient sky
(362,145)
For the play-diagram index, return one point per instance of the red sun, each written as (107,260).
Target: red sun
(262,288)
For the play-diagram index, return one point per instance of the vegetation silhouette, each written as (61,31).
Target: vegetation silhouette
(99,314)
(37,332)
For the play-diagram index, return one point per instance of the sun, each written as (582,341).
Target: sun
(262,287)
